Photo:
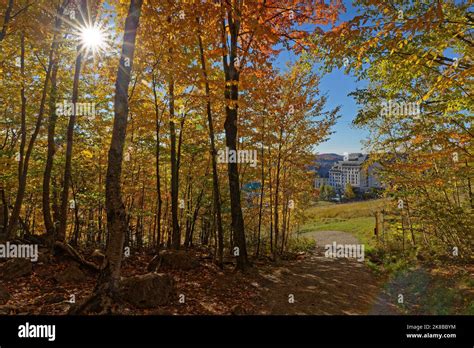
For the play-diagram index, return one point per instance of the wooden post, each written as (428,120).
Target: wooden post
(376,229)
(383,226)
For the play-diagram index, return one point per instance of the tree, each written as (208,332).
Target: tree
(114,204)
(326,193)
(107,283)
(83,8)
(46,199)
(249,32)
(215,176)
(349,192)
(27,149)
(417,109)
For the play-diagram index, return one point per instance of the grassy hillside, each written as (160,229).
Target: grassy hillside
(430,289)
(357,218)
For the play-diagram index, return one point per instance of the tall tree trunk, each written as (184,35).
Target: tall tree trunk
(100,208)
(195,217)
(4,212)
(215,176)
(231,94)
(176,233)
(187,212)
(69,140)
(288,229)
(157,156)
(262,185)
(48,220)
(23,106)
(270,182)
(22,126)
(277,192)
(77,223)
(469,187)
(116,217)
(140,227)
(283,229)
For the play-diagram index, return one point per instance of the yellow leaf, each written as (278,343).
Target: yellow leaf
(87,154)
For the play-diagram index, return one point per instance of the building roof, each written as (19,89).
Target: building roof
(353,159)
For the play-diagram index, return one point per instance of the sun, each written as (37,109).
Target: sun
(93,39)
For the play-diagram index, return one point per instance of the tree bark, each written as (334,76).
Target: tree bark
(157,156)
(176,233)
(21,161)
(4,216)
(215,176)
(48,220)
(69,144)
(231,94)
(77,223)
(277,192)
(116,217)
(47,217)
(270,182)
(262,185)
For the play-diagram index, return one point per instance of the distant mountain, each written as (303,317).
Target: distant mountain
(329,157)
(325,161)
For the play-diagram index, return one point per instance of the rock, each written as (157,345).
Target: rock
(173,259)
(178,259)
(44,256)
(50,298)
(154,264)
(4,295)
(71,274)
(239,310)
(5,310)
(148,290)
(16,268)
(255,284)
(97,256)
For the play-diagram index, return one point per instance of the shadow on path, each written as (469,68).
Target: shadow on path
(321,285)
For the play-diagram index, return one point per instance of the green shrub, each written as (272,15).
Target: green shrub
(301,244)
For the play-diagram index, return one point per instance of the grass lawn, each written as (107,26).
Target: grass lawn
(346,210)
(362,227)
(357,218)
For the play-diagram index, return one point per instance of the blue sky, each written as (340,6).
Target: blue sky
(337,85)
(346,138)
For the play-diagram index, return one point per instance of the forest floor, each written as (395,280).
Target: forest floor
(309,284)
(317,284)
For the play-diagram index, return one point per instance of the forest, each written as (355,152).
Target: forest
(157,158)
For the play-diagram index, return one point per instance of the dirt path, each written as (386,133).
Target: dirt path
(322,285)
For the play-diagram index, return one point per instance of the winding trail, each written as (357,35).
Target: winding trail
(322,285)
